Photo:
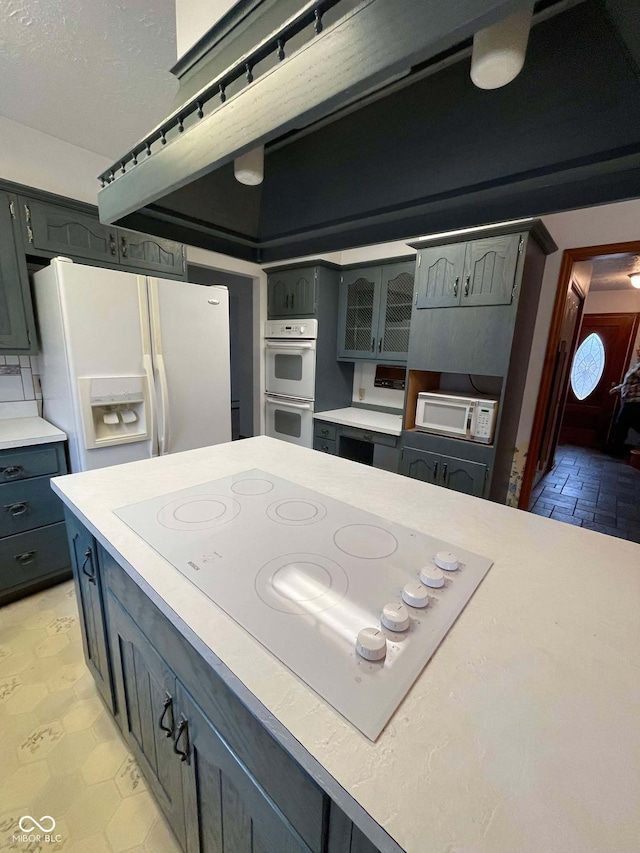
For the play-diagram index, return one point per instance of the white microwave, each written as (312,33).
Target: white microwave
(471,418)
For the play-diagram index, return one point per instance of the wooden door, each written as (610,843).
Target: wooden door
(439,276)
(88,583)
(572,316)
(226,810)
(396,302)
(61,230)
(151,253)
(421,465)
(146,693)
(604,347)
(359,312)
(461,475)
(17,328)
(490,270)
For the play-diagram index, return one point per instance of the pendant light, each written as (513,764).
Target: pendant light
(499,50)
(249,168)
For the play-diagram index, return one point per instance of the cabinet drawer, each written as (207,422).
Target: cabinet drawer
(370,435)
(29,557)
(24,462)
(325,430)
(325,445)
(28,504)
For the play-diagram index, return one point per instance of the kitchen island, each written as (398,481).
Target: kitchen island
(519,735)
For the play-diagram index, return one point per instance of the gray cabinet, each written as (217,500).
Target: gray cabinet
(375,312)
(151,253)
(64,231)
(17,326)
(89,596)
(33,545)
(146,696)
(461,475)
(480,272)
(292,293)
(226,810)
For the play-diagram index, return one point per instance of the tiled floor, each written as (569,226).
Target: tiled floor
(60,752)
(591,490)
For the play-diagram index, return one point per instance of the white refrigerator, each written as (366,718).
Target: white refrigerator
(132,366)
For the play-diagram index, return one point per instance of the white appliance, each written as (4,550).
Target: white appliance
(471,418)
(353,604)
(131,366)
(290,367)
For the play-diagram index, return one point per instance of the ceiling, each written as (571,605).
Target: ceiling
(611,272)
(94,73)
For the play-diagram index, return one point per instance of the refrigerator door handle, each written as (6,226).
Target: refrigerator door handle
(164,392)
(147,362)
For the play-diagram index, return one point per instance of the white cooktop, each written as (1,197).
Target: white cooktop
(305,574)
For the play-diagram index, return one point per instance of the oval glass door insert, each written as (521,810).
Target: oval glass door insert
(588,366)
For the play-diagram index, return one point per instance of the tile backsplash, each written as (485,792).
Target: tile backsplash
(17,382)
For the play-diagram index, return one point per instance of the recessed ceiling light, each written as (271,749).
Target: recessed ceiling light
(634,278)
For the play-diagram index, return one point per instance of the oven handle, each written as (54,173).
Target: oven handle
(286,346)
(290,405)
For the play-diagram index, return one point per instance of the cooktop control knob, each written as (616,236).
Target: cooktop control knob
(395,616)
(415,594)
(432,576)
(446,560)
(371,644)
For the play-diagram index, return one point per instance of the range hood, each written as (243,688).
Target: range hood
(374,131)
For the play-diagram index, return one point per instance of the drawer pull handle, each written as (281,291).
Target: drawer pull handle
(88,558)
(325,447)
(444,473)
(325,431)
(183,730)
(12,471)
(17,509)
(27,558)
(168,703)
(367,436)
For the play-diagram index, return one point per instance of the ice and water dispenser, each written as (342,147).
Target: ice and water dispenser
(114,409)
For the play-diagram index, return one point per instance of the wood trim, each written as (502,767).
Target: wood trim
(569,258)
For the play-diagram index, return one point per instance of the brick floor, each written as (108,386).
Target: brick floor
(589,489)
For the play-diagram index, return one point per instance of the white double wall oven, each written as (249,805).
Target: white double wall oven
(290,366)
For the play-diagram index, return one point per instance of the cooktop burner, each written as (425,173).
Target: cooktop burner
(353,604)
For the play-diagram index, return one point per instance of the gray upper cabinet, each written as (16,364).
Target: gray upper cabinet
(359,312)
(375,312)
(151,253)
(17,325)
(490,270)
(481,272)
(292,293)
(439,275)
(60,230)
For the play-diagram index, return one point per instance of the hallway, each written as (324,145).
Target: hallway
(592,490)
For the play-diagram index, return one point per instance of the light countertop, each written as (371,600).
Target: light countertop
(23,432)
(521,734)
(363,419)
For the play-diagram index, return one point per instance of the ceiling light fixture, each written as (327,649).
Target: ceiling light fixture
(634,278)
(499,50)
(249,167)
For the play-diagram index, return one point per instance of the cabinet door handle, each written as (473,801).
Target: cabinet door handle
(325,448)
(435,472)
(112,244)
(380,345)
(444,473)
(293,299)
(88,558)
(183,731)
(123,247)
(467,281)
(373,344)
(366,436)
(17,508)
(455,286)
(26,558)
(12,471)
(167,704)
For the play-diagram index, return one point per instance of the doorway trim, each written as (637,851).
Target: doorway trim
(569,258)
